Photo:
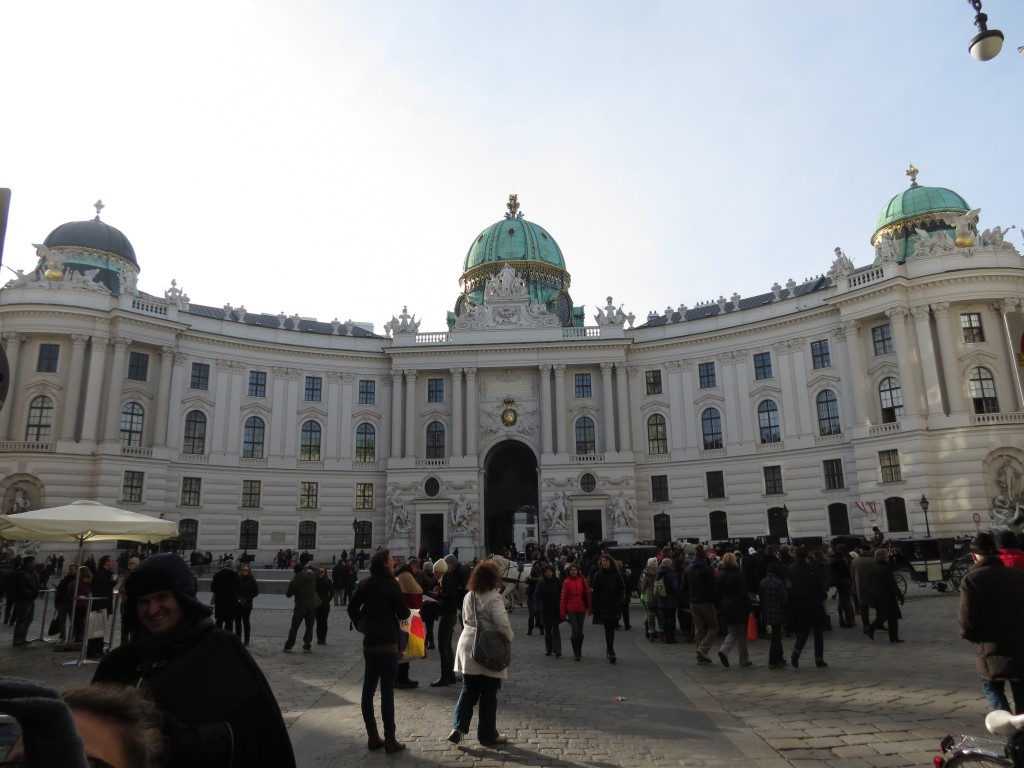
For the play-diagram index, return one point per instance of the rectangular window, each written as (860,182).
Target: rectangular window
(716,485)
(48,355)
(583,385)
(131,488)
(762,365)
(190,489)
(314,388)
(138,366)
(881,337)
(309,495)
(659,488)
(820,357)
(251,494)
(653,379)
(367,392)
(971,324)
(706,371)
(364,495)
(257,383)
(200,376)
(773,480)
(435,390)
(889,462)
(833,474)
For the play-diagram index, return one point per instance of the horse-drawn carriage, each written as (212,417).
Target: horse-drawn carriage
(940,563)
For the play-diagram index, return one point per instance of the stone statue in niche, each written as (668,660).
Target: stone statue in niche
(556,515)
(620,512)
(462,516)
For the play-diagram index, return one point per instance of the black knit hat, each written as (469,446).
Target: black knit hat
(155,574)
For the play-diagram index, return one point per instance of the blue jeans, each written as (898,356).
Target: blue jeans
(484,689)
(25,611)
(995,692)
(379,668)
(307,637)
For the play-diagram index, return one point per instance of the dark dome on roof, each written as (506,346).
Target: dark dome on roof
(92,235)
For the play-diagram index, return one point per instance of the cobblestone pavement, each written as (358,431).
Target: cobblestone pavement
(877,704)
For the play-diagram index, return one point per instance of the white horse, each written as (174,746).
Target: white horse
(513,580)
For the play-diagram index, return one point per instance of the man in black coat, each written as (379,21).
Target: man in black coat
(26,590)
(102,599)
(226,586)
(991,595)
(885,596)
(218,709)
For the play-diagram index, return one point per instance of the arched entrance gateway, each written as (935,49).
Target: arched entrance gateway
(510,486)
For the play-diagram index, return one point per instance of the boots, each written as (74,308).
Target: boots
(391,744)
(529,626)
(373,739)
(577,648)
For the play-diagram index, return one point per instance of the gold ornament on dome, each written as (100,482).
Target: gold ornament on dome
(53,273)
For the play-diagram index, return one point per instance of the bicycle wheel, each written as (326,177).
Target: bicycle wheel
(901,582)
(977,760)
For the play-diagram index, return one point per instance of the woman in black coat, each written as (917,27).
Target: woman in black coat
(805,595)
(735,608)
(549,598)
(885,596)
(608,589)
(249,589)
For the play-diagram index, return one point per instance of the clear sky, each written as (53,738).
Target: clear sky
(338,158)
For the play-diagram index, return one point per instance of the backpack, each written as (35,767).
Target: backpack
(659,588)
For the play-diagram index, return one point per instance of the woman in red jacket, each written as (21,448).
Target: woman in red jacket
(575,606)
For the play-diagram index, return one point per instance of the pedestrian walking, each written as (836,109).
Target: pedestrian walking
(735,603)
(774,597)
(225,587)
(806,594)
(248,590)
(575,604)
(325,593)
(25,593)
(549,597)
(302,588)
(885,596)
(700,587)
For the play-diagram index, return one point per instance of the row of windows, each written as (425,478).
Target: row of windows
(249,534)
(832,473)
(981,386)
(778,527)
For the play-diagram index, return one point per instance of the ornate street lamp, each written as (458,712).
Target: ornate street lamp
(924,508)
(987,44)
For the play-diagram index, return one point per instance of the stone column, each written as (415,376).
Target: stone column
(561,446)
(333,415)
(687,417)
(906,357)
(384,433)
(396,414)
(291,414)
(675,405)
(929,370)
(78,342)
(114,385)
(1009,305)
(948,349)
(853,371)
(456,412)
(94,389)
(544,387)
(347,438)
(410,414)
(223,378)
(472,413)
(278,392)
(790,422)
(237,388)
(608,406)
(622,400)
(174,399)
(13,347)
(162,395)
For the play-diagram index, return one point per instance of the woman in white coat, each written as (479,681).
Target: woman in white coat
(483,605)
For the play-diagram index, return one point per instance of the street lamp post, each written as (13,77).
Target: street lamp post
(924,508)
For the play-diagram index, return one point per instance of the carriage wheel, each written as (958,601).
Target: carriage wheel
(901,582)
(956,575)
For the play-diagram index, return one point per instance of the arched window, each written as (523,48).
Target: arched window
(586,445)
(828,413)
(249,535)
(983,391)
(307,534)
(195,433)
(891,397)
(40,420)
(363,532)
(662,529)
(838,519)
(188,534)
(366,442)
(896,514)
(711,426)
(657,435)
(309,445)
(768,422)
(435,440)
(131,425)
(778,523)
(252,439)
(719,523)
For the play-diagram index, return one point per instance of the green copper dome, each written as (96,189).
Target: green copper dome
(918,207)
(514,239)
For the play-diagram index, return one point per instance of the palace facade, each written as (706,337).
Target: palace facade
(817,409)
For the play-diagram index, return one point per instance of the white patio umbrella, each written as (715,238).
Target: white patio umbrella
(82,521)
